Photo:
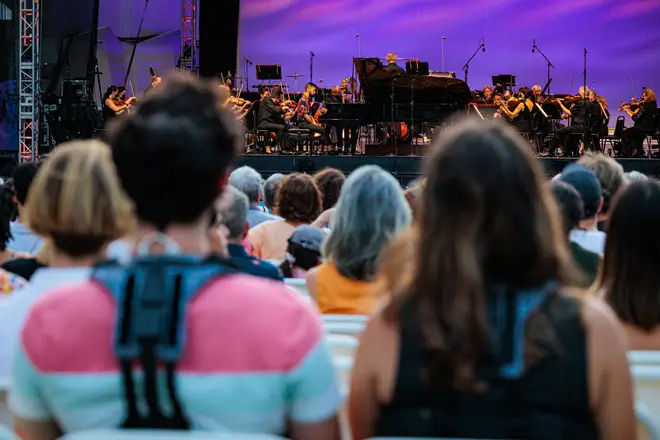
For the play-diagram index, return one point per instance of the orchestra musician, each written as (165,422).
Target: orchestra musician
(521,115)
(578,113)
(305,119)
(487,97)
(506,94)
(642,115)
(498,101)
(539,98)
(392,66)
(115,103)
(156,81)
(271,114)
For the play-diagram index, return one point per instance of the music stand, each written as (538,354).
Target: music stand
(417,68)
(504,80)
(269,72)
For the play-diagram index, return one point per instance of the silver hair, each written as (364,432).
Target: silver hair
(371,210)
(271,187)
(248,180)
(233,209)
(635,176)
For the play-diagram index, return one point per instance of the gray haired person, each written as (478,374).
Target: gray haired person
(271,187)
(248,180)
(371,210)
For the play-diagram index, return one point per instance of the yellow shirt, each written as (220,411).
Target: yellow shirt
(337,294)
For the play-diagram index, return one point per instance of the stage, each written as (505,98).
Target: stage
(404,168)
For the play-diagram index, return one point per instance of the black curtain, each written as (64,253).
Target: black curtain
(218,37)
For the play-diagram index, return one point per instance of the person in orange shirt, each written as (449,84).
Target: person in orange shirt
(371,210)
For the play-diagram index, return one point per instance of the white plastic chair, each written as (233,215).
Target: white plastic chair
(360,319)
(344,328)
(5,413)
(156,434)
(647,429)
(647,386)
(7,434)
(643,357)
(298,284)
(343,352)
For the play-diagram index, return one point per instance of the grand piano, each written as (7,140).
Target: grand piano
(400,97)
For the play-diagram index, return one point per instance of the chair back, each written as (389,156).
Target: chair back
(360,319)
(656,125)
(344,328)
(646,428)
(618,128)
(7,434)
(298,284)
(645,369)
(343,353)
(156,434)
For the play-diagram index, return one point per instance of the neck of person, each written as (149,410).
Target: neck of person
(21,211)
(192,239)
(62,260)
(589,224)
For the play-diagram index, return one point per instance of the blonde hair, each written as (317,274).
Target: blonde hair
(391,57)
(76,194)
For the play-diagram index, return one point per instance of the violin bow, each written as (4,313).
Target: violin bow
(632,88)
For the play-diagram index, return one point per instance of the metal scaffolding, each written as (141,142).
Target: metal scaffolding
(188,49)
(29,80)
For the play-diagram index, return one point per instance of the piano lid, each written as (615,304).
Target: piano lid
(377,86)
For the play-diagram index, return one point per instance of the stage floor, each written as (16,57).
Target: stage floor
(404,168)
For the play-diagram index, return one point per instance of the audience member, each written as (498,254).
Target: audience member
(371,211)
(610,175)
(630,280)
(483,341)
(254,359)
(248,181)
(329,181)
(635,176)
(303,252)
(585,182)
(23,239)
(298,203)
(232,209)
(572,212)
(27,266)
(7,213)
(271,188)
(77,204)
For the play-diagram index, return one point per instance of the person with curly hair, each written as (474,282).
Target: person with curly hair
(330,181)
(298,203)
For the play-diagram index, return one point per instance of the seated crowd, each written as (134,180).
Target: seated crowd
(501,304)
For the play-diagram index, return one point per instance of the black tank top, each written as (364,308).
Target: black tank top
(523,122)
(549,400)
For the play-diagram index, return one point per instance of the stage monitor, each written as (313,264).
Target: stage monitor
(269,72)
(417,68)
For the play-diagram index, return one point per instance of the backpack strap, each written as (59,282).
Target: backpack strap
(152,295)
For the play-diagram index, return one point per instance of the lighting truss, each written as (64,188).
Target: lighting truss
(188,48)
(29,80)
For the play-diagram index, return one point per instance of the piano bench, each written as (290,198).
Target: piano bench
(298,139)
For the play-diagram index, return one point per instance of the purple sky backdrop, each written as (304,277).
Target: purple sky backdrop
(621,36)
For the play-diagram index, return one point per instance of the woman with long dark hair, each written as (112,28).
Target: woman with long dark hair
(483,341)
(630,280)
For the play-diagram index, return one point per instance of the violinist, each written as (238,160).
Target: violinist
(306,120)
(521,115)
(271,115)
(578,113)
(537,91)
(113,105)
(506,94)
(642,114)
(498,101)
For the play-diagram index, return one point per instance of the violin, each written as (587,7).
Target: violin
(569,99)
(632,105)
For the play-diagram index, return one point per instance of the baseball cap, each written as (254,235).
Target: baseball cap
(587,185)
(309,237)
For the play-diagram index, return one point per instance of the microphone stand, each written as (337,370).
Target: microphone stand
(411,129)
(247,73)
(392,128)
(467,64)
(586,98)
(549,63)
(311,66)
